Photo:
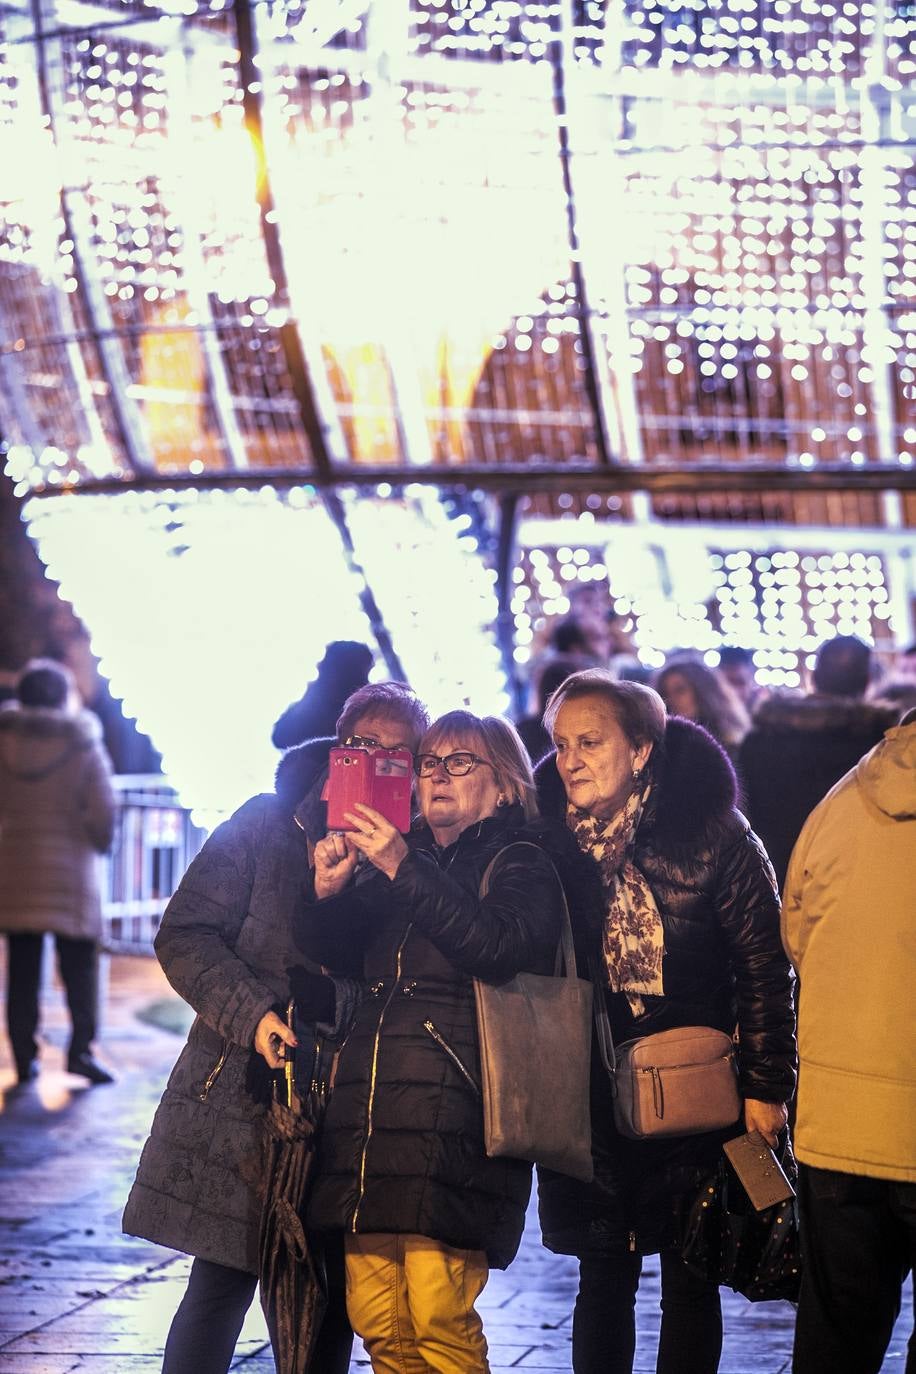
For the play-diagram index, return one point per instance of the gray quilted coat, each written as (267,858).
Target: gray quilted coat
(57,814)
(226,946)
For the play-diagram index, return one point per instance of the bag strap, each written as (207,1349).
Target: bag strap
(566,951)
(603,1027)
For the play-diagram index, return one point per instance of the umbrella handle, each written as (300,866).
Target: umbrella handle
(288,1058)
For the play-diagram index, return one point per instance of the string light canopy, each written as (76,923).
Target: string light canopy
(643,268)
(457,234)
(223,602)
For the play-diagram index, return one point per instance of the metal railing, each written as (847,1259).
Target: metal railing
(154,843)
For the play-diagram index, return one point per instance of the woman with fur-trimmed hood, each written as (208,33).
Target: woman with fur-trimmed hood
(674,905)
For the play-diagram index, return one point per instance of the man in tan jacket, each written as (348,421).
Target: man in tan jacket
(848,926)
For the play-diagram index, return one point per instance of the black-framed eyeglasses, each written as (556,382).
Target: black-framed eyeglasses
(457,765)
(368,742)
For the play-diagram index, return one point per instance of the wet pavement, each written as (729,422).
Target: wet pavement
(76,1294)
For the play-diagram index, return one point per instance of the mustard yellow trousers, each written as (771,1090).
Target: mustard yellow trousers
(412,1299)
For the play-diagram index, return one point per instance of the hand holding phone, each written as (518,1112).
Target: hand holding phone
(375,837)
(335,862)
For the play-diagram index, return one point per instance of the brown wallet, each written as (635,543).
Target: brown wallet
(759,1170)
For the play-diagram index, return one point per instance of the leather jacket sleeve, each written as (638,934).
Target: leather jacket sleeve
(747,907)
(514,929)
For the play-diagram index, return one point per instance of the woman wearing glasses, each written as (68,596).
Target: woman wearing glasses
(403,1172)
(226,944)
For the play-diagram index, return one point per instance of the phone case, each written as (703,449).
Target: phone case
(759,1170)
(381,779)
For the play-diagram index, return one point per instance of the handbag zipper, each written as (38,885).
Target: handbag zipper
(461,1067)
(667,1068)
(214,1074)
(372,1079)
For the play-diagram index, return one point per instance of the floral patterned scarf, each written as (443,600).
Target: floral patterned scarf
(634,942)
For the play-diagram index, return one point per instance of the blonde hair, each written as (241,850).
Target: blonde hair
(495,740)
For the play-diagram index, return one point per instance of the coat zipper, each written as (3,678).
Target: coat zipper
(214,1074)
(372,1079)
(444,1045)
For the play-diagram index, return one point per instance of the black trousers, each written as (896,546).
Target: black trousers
(78,962)
(604,1319)
(858,1242)
(206,1326)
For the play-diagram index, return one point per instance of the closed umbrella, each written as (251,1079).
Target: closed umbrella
(292,1281)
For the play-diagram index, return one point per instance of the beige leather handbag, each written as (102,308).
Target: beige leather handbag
(675,1082)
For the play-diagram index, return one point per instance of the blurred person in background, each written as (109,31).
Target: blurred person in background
(847,925)
(627,669)
(800,745)
(899,692)
(57,815)
(905,666)
(736,666)
(531,728)
(344,668)
(570,639)
(692,690)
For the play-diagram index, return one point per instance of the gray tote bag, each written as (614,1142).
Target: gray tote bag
(535,1050)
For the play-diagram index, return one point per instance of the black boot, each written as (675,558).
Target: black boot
(88,1067)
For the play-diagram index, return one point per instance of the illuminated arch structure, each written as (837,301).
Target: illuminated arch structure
(397,318)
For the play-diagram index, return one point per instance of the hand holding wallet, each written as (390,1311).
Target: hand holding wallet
(758,1169)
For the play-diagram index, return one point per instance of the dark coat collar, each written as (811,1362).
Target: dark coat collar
(507,823)
(695,790)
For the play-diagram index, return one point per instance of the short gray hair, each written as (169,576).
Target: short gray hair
(638,710)
(392,700)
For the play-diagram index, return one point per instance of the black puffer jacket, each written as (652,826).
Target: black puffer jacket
(796,749)
(402,1148)
(723,965)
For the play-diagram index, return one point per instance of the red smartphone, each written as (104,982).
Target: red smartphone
(380,778)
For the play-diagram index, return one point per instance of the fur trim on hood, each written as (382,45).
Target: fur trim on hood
(300,768)
(818,712)
(695,791)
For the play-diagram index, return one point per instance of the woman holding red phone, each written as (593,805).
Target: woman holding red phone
(226,944)
(403,1173)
